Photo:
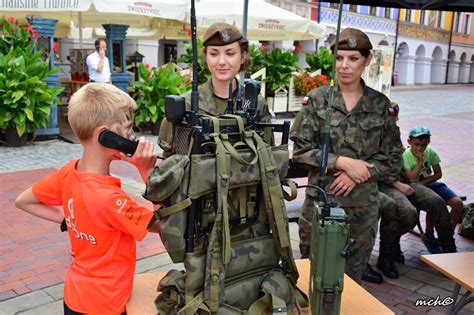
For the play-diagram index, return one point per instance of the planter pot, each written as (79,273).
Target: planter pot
(13,139)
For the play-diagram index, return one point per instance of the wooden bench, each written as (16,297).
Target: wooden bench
(355,299)
(459,267)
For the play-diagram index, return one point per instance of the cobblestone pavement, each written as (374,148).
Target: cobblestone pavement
(34,252)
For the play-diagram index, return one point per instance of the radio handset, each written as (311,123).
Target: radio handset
(111,140)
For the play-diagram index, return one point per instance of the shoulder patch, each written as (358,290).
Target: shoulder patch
(392,112)
(305,101)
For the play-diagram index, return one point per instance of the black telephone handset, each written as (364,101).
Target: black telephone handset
(111,140)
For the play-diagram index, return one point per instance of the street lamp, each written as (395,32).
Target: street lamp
(136,58)
(329,39)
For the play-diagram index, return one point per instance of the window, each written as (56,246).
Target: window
(334,5)
(457,22)
(387,13)
(408,15)
(422,17)
(440,19)
(373,11)
(353,7)
(467,24)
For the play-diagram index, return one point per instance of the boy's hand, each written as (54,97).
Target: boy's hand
(405,189)
(418,154)
(144,157)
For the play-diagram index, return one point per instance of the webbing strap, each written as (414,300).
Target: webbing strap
(293,190)
(243,204)
(197,303)
(268,301)
(275,206)
(218,253)
(272,191)
(166,212)
(247,137)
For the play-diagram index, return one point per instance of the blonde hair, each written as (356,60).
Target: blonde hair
(97,104)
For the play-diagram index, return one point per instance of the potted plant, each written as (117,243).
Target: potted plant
(151,89)
(305,82)
(25,98)
(320,61)
(280,67)
(203,72)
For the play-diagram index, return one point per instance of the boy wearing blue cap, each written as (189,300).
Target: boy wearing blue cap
(422,163)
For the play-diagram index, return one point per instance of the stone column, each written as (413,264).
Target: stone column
(464,69)
(117,32)
(45,28)
(453,72)
(423,70)
(438,71)
(406,69)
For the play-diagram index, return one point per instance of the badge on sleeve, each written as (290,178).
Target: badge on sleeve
(392,112)
(305,101)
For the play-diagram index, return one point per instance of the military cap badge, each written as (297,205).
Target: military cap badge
(352,41)
(225,36)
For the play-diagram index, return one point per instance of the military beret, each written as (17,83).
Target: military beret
(221,34)
(352,39)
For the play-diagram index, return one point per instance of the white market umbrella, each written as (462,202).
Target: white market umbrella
(264,21)
(148,14)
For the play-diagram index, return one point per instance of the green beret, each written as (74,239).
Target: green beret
(221,34)
(352,39)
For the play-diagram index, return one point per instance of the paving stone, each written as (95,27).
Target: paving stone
(55,291)
(53,308)
(25,302)
(405,282)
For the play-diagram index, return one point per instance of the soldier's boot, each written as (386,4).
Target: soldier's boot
(448,246)
(385,261)
(398,255)
(370,275)
(304,250)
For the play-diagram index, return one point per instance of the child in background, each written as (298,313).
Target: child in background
(422,163)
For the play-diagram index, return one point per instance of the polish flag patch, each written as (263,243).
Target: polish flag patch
(305,101)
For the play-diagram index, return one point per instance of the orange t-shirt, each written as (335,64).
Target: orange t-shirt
(103,224)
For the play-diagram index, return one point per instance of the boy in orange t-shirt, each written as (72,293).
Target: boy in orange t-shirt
(103,222)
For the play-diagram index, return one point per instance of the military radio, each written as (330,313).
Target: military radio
(330,239)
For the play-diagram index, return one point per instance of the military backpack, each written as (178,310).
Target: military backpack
(242,261)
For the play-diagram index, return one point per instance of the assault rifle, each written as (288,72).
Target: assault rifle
(190,127)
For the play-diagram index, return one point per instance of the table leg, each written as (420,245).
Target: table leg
(454,308)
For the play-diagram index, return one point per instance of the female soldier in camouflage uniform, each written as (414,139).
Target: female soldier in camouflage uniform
(226,54)
(358,156)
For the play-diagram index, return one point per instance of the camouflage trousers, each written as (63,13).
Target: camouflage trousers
(363,229)
(397,214)
(427,200)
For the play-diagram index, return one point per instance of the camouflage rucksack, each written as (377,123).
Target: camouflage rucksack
(467,224)
(242,260)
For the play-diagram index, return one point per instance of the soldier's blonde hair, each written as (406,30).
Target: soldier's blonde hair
(97,104)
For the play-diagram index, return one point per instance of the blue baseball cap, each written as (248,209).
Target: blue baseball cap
(419,131)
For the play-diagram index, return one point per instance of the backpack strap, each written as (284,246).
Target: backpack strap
(275,206)
(268,301)
(218,251)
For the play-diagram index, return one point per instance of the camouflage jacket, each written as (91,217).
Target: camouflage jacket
(207,105)
(366,133)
